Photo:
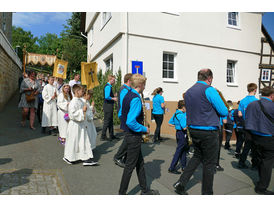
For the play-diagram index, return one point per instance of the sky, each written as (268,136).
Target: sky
(39,23)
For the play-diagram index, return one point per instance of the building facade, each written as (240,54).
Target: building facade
(10,64)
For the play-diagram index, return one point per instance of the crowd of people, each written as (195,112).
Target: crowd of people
(200,117)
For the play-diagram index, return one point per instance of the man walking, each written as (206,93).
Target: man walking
(204,106)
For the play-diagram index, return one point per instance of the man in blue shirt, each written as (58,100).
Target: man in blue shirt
(179,121)
(109,100)
(248,145)
(204,106)
(260,123)
(120,156)
(132,123)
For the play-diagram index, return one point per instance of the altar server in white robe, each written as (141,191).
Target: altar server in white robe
(63,119)
(49,94)
(92,133)
(78,145)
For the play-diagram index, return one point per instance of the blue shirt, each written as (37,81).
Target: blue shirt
(214,98)
(107,91)
(157,101)
(134,112)
(245,102)
(122,95)
(260,133)
(179,121)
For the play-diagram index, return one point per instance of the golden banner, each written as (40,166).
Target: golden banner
(60,69)
(42,59)
(89,74)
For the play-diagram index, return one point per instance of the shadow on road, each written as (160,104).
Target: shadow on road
(14,179)
(5,160)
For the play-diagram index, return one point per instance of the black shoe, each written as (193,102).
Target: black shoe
(150,192)
(154,141)
(227,147)
(263,192)
(103,139)
(242,165)
(89,162)
(179,188)
(237,155)
(119,162)
(176,172)
(160,139)
(114,137)
(219,168)
(43,130)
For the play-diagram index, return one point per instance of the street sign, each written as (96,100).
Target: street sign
(137,67)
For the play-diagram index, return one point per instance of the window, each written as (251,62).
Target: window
(91,36)
(168,66)
(106,16)
(233,19)
(109,64)
(230,72)
(4,26)
(266,75)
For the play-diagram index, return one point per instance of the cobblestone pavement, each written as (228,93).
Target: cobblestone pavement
(31,182)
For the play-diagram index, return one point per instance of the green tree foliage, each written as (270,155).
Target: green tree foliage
(20,37)
(49,43)
(98,95)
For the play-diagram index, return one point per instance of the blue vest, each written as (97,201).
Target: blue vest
(125,110)
(111,95)
(121,88)
(255,118)
(200,112)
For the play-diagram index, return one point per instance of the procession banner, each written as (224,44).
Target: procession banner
(42,59)
(60,69)
(89,74)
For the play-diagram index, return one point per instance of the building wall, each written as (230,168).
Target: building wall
(6,18)
(189,60)
(10,71)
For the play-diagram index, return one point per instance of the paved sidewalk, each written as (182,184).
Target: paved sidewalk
(31,163)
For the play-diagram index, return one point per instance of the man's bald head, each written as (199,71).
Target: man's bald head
(204,74)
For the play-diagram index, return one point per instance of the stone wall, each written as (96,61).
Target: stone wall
(10,70)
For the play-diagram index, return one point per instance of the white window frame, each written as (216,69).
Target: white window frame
(105,18)
(237,20)
(4,26)
(110,59)
(234,71)
(91,36)
(268,76)
(174,79)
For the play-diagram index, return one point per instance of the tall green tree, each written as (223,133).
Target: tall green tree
(20,37)
(49,43)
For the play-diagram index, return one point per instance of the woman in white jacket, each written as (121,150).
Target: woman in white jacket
(63,119)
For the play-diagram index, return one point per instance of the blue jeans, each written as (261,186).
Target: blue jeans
(181,151)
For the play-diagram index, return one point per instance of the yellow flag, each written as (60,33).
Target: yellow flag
(60,68)
(89,74)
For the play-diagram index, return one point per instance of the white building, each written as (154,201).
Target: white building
(173,47)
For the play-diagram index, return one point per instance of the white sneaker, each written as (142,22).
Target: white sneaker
(67,161)
(89,162)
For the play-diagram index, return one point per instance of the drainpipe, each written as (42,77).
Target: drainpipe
(126,44)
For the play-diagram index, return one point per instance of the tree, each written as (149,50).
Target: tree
(21,37)
(49,43)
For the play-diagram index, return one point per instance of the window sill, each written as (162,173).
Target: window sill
(232,85)
(233,27)
(170,81)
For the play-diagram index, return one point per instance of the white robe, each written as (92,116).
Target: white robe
(49,116)
(62,105)
(92,133)
(77,145)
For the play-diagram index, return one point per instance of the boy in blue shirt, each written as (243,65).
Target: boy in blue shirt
(179,121)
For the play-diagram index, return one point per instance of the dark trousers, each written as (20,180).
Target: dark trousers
(108,120)
(159,120)
(240,139)
(206,152)
(181,150)
(39,112)
(228,134)
(249,145)
(265,150)
(220,138)
(134,160)
(122,151)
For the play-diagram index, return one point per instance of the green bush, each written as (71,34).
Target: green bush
(98,95)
